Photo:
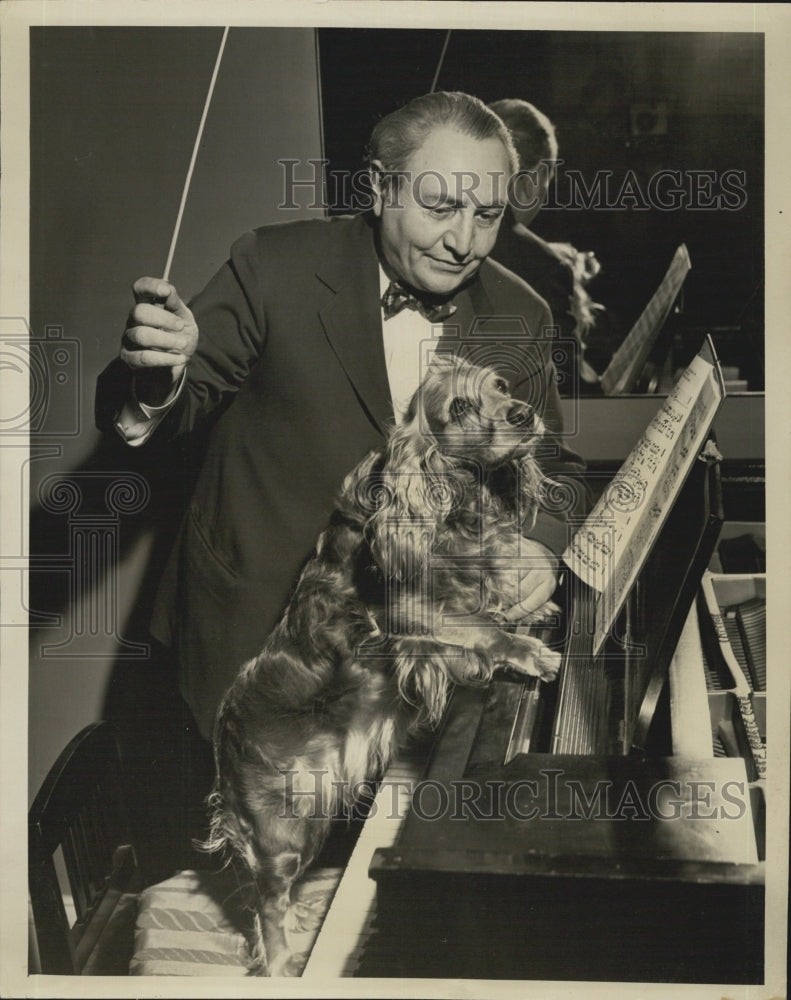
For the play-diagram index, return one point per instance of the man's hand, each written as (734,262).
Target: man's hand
(160,337)
(537,582)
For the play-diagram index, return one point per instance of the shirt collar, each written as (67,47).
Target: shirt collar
(384,281)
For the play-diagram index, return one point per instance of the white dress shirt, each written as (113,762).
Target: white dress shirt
(409,342)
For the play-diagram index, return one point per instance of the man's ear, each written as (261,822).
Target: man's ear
(527,190)
(376,174)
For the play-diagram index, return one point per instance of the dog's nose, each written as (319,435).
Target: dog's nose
(520,415)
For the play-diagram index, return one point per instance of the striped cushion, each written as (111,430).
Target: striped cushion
(193,924)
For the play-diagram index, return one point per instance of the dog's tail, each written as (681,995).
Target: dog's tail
(218,839)
(229,834)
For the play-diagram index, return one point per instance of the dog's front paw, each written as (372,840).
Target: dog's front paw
(275,960)
(529,655)
(548,661)
(286,964)
(257,967)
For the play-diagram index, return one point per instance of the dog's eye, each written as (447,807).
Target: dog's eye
(458,407)
(501,386)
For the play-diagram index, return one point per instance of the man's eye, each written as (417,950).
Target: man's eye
(442,212)
(489,218)
(459,406)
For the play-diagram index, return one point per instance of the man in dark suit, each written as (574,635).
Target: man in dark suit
(300,355)
(520,249)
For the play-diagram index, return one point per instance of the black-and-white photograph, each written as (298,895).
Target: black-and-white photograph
(386,598)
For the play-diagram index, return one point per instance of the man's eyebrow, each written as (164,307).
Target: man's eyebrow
(435,201)
(447,201)
(491,206)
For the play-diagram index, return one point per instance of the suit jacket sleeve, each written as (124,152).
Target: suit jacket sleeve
(232,336)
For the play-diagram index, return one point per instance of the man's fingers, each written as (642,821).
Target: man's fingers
(174,304)
(145,314)
(535,599)
(147,358)
(160,331)
(151,290)
(161,292)
(138,337)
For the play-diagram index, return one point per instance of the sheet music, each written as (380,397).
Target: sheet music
(610,548)
(632,353)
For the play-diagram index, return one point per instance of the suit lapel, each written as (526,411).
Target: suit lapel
(352,320)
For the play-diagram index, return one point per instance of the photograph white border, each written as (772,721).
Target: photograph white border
(774,21)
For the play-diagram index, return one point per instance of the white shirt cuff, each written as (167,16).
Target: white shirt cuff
(137,421)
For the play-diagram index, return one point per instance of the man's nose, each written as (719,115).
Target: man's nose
(458,237)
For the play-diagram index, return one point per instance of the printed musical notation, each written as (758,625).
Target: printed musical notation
(631,355)
(610,548)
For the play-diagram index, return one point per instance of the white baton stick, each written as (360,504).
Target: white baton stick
(198,138)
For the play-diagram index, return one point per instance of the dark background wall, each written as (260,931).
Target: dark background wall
(114,114)
(621,101)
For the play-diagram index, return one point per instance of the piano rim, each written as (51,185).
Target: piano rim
(470,862)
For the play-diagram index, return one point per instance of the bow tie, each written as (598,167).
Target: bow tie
(397,298)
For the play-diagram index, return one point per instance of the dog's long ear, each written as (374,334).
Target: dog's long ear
(560,496)
(357,498)
(414,492)
(530,482)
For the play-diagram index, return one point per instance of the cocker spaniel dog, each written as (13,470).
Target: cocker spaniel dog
(399,601)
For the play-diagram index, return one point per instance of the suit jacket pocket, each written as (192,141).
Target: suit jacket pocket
(212,569)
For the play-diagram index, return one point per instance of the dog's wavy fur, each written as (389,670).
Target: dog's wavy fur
(398,602)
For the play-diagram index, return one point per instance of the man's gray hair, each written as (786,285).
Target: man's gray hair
(532,132)
(398,135)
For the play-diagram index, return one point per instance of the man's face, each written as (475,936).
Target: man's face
(441,219)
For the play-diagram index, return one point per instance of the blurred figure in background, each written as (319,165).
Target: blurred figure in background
(557,271)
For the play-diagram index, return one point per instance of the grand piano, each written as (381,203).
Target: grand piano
(605,828)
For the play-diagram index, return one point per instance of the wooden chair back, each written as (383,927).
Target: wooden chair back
(79,809)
